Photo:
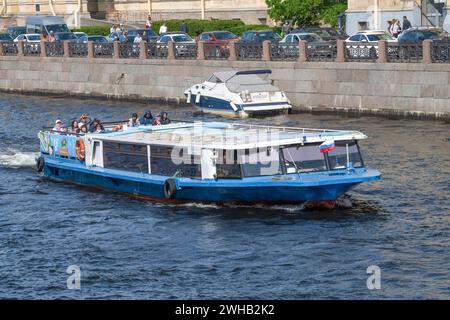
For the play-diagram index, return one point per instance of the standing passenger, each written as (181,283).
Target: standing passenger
(164,118)
(134,121)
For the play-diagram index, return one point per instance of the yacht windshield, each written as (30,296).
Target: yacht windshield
(305,158)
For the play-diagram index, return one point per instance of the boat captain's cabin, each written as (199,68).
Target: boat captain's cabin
(220,150)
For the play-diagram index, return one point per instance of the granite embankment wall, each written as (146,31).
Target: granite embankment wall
(403,89)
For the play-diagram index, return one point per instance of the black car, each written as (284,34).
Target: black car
(259,36)
(150,34)
(95,39)
(327,34)
(418,35)
(14,32)
(63,36)
(4,37)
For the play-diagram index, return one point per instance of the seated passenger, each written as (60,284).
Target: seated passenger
(58,125)
(134,121)
(84,120)
(157,121)
(164,118)
(147,119)
(84,129)
(99,128)
(94,124)
(74,128)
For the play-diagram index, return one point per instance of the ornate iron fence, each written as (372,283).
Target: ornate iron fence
(284,51)
(249,51)
(157,50)
(9,48)
(129,50)
(185,50)
(440,51)
(31,49)
(405,52)
(321,51)
(103,50)
(215,51)
(361,52)
(54,49)
(78,50)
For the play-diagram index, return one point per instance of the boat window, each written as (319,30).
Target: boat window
(125,156)
(214,79)
(337,158)
(305,158)
(227,166)
(166,162)
(261,162)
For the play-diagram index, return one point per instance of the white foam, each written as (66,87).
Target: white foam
(17,159)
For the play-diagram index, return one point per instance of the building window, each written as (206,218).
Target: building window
(38,8)
(363,25)
(125,156)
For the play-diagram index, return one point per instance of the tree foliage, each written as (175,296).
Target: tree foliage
(306,12)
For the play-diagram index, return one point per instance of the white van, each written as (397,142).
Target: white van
(38,24)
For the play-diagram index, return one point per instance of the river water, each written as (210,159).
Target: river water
(132,249)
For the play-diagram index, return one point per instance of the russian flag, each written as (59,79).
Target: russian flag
(327,145)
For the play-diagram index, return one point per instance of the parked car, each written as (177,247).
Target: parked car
(150,35)
(29,37)
(418,35)
(4,37)
(63,36)
(113,36)
(221,37)
(217,42)
(364,44)
(184,46)
(16,31)
(296,37)
(259,36)
(95,39)
(38,24)
(80,34)
(327,34)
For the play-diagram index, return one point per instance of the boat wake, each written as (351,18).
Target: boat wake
(17,159)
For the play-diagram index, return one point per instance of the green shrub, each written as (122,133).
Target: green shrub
(195,27)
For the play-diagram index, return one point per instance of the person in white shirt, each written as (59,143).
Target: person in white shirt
(112,29)
(163,29)
(58,125)
(138,38)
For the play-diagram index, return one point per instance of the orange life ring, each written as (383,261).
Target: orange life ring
(117,127)
(80,149)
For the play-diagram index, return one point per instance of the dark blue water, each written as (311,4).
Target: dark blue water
(131,249)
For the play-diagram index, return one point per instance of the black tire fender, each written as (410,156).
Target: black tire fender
(40,164)
(170,189)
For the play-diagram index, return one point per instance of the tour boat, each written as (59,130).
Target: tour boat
(215,162)
(238,94)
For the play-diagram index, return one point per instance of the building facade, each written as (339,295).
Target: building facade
(375,14)
(78,12)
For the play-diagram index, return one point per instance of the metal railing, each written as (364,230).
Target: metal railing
(78,50)
(249,51)
(54,49)
(321,51)
(31,49)
(440,51)
(129,50)
(284,51)
(186,51)
(405,52)
(361,52)
(103,50)
(215,51)
(437,51)
(157,50)
(9,48)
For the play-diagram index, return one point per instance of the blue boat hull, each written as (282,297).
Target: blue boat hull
(223,107)
(191,190)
